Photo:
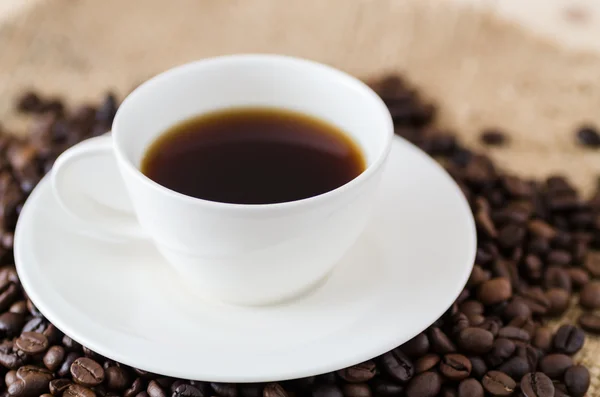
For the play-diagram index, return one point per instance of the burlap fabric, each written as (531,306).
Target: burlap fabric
(482,71)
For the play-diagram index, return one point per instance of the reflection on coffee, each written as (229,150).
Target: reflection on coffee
(253,156)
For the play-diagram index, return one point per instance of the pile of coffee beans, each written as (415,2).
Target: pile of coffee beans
(534,255)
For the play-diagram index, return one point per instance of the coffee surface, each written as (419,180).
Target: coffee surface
(253,156)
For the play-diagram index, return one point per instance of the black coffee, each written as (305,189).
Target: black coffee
(253,156)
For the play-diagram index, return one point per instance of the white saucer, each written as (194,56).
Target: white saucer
(122,301)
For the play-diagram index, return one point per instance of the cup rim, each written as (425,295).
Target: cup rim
(369,171)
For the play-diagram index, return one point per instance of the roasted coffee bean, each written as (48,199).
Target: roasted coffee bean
(417,346)
(10,377)
(514,333)
(471,307)
(9,357)
(470,388)
(36,324)
(478,276)
(356,390)
(185,390)
(427,384)
(589,297)
(222,389)
(555,365)
(568,339)
(501,351)
(559,301)
(493,137)
(87,372)
(385,388)
(54,357)
(494,291)
(516,307)
(10,324)
(427,362)
(398,365)
(326,391)
(478,366)
(588,136)
(577,380)
(32,342)
(35,379)
(592,264)
(19,307)
(116,378)
(590,322)
(58,386)
(475,340)
(359,373)
(515,367)
(557,277)
(537,301)
(455,366)
(71,345)
(536,384)
(543,338)
(136,387)
(559,257)
(274,390)
(579,277)
(498,383)
(65,367)
(8,293)
(440,343)
(459,322)
(155,390)
(78,391)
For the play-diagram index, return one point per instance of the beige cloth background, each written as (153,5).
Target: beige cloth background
(482,70)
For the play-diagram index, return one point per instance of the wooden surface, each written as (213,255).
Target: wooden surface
(480,66)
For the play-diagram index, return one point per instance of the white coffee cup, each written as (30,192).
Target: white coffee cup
(243,254)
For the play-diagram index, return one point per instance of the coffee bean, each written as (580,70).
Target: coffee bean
(35,379)
(417,346)
(356,390)
(498,383)
(155,390)
(78,391)
(222,389)
(501,351)
(568,339)
(10,324)
(471,307)
(470,388)
(58,386)
(579,277)
(543,338)
(54,357)
(557,277)
(8,294)
(589,296)
(427,384)
(478,276)
(588,136)
(511,235)
(116,378)
(19,307)
(398,365)
(475,340)
(515,367)
(516,307)
(537,301)
(274,390)
(359,373)
(440,343)
(455,366)
(555,365)
(427,362)
(590,322)
(36,324)
(577,380)
(185,390)
(65,367)
(592,264)
(327,391)
(386,388)
(87,372)
(136,387)
(536,384)
(494,291)
(32,342)
(493,137)
(71,345)
(478,366)
(559,301)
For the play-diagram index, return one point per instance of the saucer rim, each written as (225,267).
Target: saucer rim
(282,373)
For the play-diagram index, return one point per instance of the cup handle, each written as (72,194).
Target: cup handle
(88,185)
